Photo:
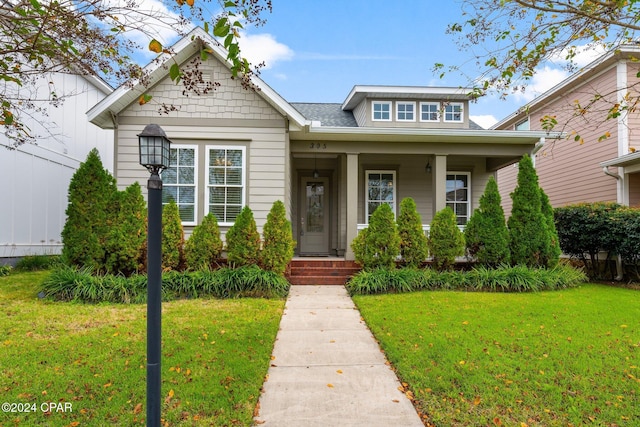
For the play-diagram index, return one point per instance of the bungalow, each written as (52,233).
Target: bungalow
(331,164)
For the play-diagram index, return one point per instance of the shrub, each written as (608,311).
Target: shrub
(243,240)
(278,240)
(90,213)
(5,270)
(127,233)
(379,246)
(37,262)
(446,241)
(626,231)
(203,248)
(413,242)
(172,237)
(585,230)
(486,235)
(551,254)
(528,235)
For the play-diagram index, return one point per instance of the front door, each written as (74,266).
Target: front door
(314,219)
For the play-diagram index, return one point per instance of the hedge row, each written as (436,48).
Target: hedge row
(80,284)
(588,230)
(502,279)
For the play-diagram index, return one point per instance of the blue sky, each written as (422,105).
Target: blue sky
(316,51)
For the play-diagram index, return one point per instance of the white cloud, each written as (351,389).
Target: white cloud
(584,55)
(265,48)
(486,120)
(543,80)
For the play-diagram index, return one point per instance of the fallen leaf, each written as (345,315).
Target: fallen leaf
(330,385)
(477,400)
(395,401)
(339,371)
(138,408)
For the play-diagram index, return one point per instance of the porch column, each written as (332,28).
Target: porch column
(352,203)
(439,181)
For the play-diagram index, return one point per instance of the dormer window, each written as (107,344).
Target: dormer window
(405,111)
(429,111)
(453,112)
(381,111)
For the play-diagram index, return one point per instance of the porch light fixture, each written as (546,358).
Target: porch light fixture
(154,155)
(316,174)
(428,167)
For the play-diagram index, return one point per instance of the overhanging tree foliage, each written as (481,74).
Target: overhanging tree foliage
(92,37)
(509,40)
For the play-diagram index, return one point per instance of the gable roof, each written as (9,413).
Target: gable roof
(102,114)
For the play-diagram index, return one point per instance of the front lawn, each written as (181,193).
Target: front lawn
(563,358)
(92,358)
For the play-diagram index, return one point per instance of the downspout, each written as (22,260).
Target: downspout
(619,277)
(537,148)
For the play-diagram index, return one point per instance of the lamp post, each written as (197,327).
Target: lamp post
(154,155)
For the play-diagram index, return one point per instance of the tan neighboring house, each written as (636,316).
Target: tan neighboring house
(591,170)
(331,164)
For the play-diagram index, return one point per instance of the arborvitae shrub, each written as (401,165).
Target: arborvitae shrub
(127,233)
(413,242)
(528,236)
(278,241)
(243,240)
(90,213)
(172,237)
(486,235)
(551,255)
(446,241)
(379,246)
(203,248)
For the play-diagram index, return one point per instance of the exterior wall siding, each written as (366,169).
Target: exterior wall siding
(37,177)
(634,189)
(231,115)
(569,170)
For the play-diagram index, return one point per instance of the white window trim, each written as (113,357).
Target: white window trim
(384,103)
(452,104)
(195,178)
(469,195)
(243,176)
(413,104)
(438,112)
(366,190)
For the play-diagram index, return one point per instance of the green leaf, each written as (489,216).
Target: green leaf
(222,28)
(206,27)
(229,4)
(174,73)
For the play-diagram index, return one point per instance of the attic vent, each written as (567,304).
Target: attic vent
(196,82)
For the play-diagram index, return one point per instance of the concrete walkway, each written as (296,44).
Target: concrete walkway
(328,370)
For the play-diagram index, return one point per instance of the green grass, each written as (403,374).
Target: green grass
(563,358)
(215,356)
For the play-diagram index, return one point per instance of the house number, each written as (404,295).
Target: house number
(318,146)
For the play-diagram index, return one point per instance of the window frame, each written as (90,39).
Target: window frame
(413,111)
(519,125)
(453,112)
(373,111)
(455,202)
(366,190)
(195,180)
(243,176)
(438,112)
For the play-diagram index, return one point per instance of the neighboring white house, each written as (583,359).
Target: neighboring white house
(35,177)
(331,164)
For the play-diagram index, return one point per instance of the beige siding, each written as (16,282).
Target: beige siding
(360,113)
(230,116)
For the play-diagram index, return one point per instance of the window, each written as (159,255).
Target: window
(225,195)
(523,125)
(179,182)
(405,111)
(380,189)
(453,112)
(429,112)
(381,111)
(458,195)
